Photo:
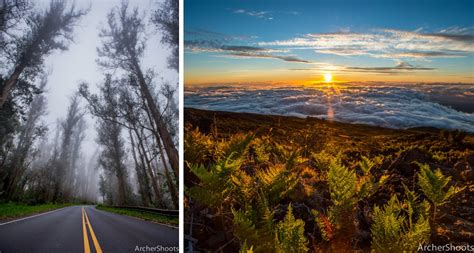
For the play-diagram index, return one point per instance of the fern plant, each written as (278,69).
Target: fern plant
(433,184)
(342,189)
(367,184)
(197,147)
(289,235)
(276,182)
(245,248)
(323,159)
(254,225)
(215,185)
(396,228)
(346,190)
(336,224)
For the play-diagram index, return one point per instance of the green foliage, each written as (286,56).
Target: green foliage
(277,181)
(342,188)
(433,185)
(395,228)
(245,248)
(197,146)
(164,219)
(289,234)
(254,225)
(288,157)
(346,189)
(216,183)
(13,210)
(367,185)
(260,150)
(322,160)
(227,182)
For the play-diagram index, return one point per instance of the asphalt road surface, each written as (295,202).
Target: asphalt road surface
(86,229)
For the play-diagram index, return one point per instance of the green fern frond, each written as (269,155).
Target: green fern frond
(433,185)
(245,248)
(244,228)
(276,182)
(387,230)
(323,159)
(367,185)
(366,165)
(289,234)
(396,228)
(197,147)
(342,184)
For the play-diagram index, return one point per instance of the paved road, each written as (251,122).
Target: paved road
(71,229)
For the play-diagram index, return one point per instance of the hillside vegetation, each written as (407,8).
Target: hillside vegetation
(259,183)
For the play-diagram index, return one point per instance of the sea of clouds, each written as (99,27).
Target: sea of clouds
(445,106)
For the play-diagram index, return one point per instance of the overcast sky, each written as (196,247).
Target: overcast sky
(79,62)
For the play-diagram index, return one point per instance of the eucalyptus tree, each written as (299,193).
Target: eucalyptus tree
(112,156)
(28,132)
(69,127)
(123,45)
(166,19)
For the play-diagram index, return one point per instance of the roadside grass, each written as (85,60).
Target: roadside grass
(14,210)
(163,219)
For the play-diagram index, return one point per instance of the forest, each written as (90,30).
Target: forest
(134,110)
(267,183)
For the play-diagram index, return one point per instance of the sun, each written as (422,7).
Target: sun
(327,77)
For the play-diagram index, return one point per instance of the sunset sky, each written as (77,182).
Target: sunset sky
(302,42)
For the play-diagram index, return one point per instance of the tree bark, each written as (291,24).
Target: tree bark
(168,144)
(158,194)
(142,182)
(9,84)
(169,180)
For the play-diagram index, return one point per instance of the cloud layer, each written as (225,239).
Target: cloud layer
(239,51)
(385,43)
(394,106)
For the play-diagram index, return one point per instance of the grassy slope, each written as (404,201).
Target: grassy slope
(400,148)
(15,210)
(142,215)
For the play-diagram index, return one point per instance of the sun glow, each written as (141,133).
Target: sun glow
(327,77)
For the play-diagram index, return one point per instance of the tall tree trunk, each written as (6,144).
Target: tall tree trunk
(121,188)
(9,84)
(169,180)
(154,181)
(168,144)
(142,176)
(171,186)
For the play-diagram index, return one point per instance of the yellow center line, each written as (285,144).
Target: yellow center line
(94,239)
(84,233)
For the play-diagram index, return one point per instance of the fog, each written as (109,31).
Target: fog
(70,138)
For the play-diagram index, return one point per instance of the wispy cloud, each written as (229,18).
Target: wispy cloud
(268,15)
(401,67)
(257,14)
(239,51)
(206,34)
(264,55)
(385,43)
